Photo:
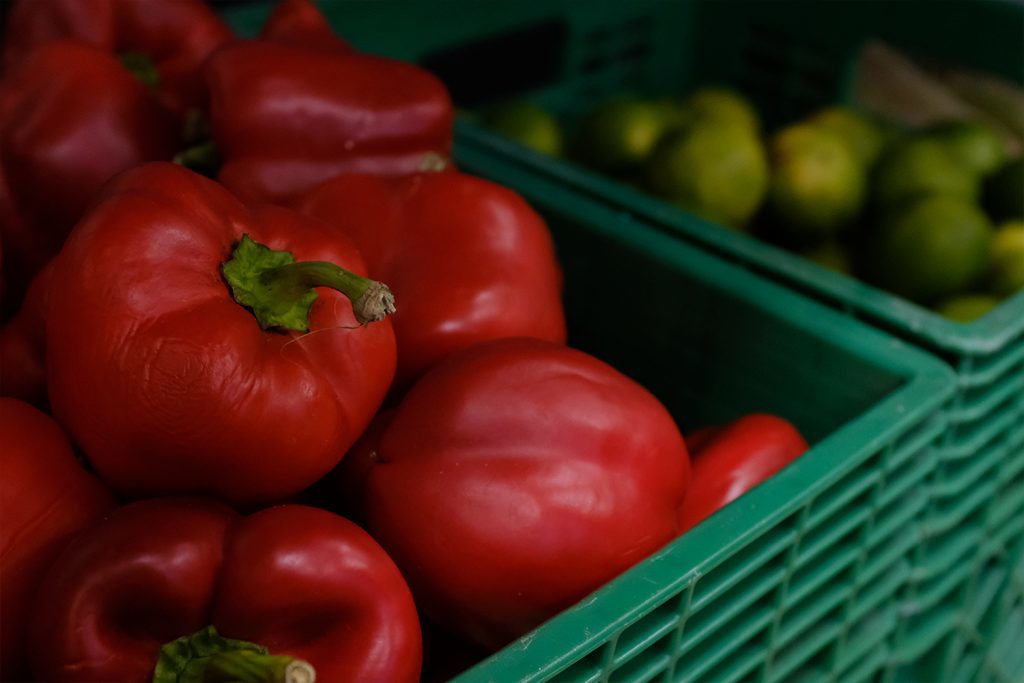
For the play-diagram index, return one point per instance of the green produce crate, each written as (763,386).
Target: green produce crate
(790,57)
(809,572)
(975,486)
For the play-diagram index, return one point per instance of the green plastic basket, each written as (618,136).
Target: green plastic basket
(808,572)
(792,62)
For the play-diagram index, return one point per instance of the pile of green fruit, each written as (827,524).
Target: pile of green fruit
(933,215)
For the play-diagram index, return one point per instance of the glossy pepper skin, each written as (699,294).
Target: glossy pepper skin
(23,345)
(518,476)
(731,459)
(160,569)
(448,232)
(46,497)
(175,35)
(170,385)
(71,117)
(287,116)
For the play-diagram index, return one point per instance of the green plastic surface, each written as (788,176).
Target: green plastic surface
(935,528)
(810,571)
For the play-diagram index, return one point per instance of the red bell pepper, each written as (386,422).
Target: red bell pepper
(299,22)
(45,499)
(301,582)
(167,41)
(451,232)
(286,116)
(71,117)
(515,478)
(177,345)
(23,345)
(731,459)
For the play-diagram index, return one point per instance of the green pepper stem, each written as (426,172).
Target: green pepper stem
(203,158)
(244,666)
(372,301)
(280,292)
(432,162)
(142,67)
(208,657)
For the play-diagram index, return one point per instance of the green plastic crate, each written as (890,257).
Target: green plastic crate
(977,487)
(790,57)
(807,573)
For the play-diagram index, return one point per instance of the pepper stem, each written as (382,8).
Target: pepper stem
(280,291)
(203,158)
(243,666)
(142,67)
(432,162)
(208,657)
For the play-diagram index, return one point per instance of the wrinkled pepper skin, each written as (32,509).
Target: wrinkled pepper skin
(71,117)
(23,345)
(175,35)
(515,478)
(287,116)
(449,232)
(160,569)
(729,460)
(171,386)
(46,497)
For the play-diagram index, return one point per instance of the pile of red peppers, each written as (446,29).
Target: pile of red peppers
(244,288)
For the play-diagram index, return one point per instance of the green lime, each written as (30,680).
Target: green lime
(672,112)
(967,307)
(932,248)
(621,133)
(830,255)
(817,185)
(715,169)
(1006,271)
(1004,192)
(858,132)
(918,168)
(527,124)
(721,104)
(972,144)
